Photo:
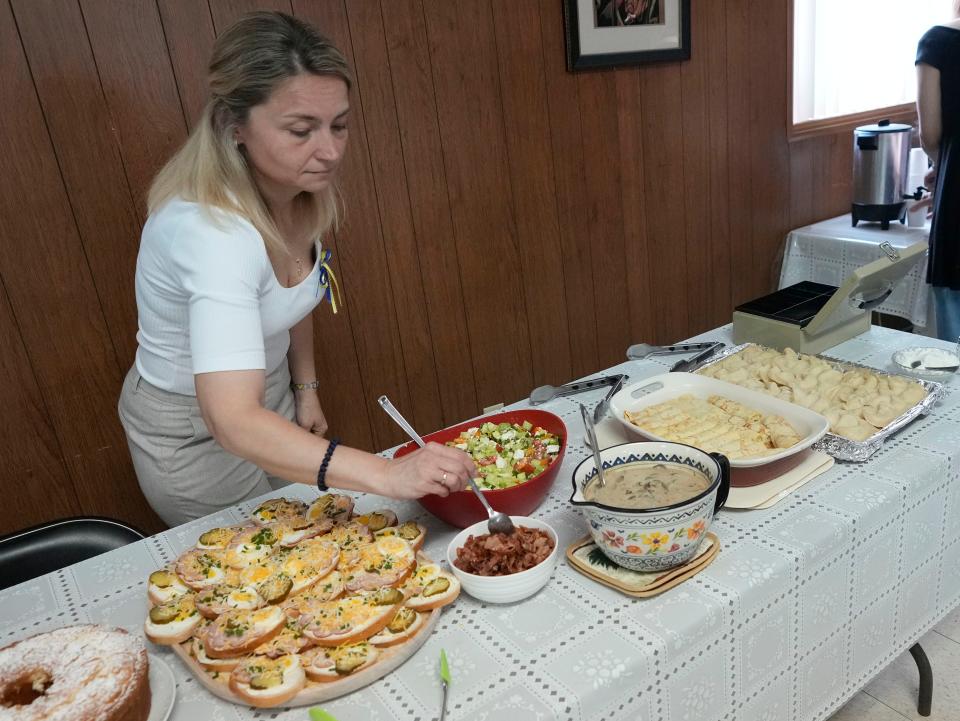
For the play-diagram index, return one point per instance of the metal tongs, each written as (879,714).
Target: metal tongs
(640,351)
(603,406)
(542,394)
(688,364)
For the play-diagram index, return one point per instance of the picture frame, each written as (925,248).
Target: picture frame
(611,33)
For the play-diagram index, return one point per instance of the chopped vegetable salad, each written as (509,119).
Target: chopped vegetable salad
(508,454)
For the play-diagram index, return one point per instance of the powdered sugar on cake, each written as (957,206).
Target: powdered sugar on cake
(75,673)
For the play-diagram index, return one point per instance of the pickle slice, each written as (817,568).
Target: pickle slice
(276,588)
(403,620)
(436,586)
(374,521)
(268,678)
(217,537)
(164,613)
(162,579)
(348,663)
(408,531)
(269,508)
(387,597)
(347,659)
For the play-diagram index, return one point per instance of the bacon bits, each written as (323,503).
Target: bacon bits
(500,554)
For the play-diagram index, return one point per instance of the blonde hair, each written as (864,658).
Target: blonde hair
(250,59)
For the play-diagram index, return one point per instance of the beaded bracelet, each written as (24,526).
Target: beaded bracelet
(322,473)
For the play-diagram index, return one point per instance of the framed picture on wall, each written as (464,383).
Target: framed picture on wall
(606,33)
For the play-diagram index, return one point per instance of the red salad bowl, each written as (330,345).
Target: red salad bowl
(463,509)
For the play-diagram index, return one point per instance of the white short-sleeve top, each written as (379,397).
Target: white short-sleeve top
(208,299)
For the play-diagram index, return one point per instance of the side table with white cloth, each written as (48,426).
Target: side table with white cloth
(828,251)
(804,604)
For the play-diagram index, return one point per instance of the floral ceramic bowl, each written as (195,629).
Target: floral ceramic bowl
(653,539)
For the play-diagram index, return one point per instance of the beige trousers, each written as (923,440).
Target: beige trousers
(183,472)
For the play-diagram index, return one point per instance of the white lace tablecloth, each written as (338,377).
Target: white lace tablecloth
(827,252)
(805,602)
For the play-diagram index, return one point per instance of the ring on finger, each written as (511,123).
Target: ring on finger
(443,478)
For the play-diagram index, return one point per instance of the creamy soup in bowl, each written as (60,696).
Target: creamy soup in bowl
(648,484)
(657,503)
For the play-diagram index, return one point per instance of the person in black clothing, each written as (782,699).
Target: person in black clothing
(938,107)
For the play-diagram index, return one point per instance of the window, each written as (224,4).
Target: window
(853,57)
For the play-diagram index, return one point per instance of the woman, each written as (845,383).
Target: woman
(938,107)
(230,268)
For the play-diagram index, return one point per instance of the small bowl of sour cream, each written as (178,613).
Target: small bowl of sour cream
(926,361)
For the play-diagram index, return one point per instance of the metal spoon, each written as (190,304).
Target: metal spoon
(592,437)
(499,522)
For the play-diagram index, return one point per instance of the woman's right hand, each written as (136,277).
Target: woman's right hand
(435,468)
(925,203)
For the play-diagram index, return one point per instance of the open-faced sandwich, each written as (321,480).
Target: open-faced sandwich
(300,597)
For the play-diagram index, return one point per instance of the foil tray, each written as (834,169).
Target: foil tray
(845,449)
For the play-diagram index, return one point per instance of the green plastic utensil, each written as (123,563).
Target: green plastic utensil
(318,714)
(444,668)
(445,682)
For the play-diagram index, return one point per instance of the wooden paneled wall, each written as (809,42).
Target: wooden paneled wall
(508,223)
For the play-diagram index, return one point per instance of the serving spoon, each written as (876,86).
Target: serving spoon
(592,437)
(498,522)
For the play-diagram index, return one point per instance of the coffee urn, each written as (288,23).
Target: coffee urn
(881,156)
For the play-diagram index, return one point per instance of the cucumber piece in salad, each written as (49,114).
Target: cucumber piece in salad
(507,454)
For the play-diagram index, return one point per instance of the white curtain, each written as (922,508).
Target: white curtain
(856,55)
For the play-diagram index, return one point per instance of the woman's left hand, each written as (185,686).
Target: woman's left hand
(309,413)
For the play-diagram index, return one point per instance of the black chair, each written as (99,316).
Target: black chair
(51,546)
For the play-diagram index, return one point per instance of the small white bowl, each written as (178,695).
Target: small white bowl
(901,361)
(512,587)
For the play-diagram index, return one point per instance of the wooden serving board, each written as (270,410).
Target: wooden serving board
(316,692)
(636,583)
